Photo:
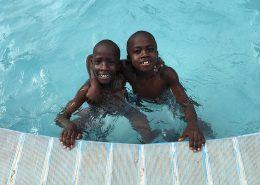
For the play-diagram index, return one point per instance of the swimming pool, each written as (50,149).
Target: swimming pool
(214,47)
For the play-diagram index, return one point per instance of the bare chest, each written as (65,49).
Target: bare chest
(149,89)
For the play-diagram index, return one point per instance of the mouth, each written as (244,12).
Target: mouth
(145,63)
(105,76)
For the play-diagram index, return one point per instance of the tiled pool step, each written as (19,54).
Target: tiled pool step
(29,160)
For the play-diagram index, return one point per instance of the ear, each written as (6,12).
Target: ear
(89,63)
(118,67)
(127,57)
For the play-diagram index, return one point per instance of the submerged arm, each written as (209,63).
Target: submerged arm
(71,132)
(140,123)
(192,130)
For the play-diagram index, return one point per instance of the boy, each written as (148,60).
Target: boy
(151,83)
(105,64)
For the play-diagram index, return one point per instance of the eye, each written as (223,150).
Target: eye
(137,51)
(150,49)
(111,62)
(97,61)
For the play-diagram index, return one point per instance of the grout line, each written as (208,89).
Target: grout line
(141,162)
(240,166)
(109,164)
(46,164)
(78,162)
(206,161)
(14,168)
(175,173)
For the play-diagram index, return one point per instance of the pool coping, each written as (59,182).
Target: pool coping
(33,159)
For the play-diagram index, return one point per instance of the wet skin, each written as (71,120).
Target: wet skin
(148,84)
(143,54)
(105,65)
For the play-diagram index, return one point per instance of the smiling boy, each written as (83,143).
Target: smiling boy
(142,51)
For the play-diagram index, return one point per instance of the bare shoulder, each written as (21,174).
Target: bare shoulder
(82,91)
(127,70)
(126,65)
(169,75)
(77,101)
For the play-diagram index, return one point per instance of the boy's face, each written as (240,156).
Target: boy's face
(105,64)
(143,52)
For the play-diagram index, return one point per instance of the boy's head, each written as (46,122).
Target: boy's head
(142,50)
(106,61)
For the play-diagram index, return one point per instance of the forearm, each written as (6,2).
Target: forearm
(189,112)
(140,124)
(63,119)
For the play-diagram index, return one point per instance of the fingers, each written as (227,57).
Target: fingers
(199,142)
(61,136)
(196,140)
(66,142)
(67,138)
(79,136)
(191,141)
(184,135)
(203,140)
(181,138)
(72,139)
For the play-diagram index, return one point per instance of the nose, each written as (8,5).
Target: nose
(104,65)
(144,53)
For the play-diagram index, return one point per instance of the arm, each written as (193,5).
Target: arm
(192,130)
(140,123)
(70,131)
(128,71)
(94,92)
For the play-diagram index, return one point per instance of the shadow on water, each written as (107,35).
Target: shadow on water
(253,4)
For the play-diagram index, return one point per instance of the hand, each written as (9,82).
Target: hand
(69,135)
(159,65)
(196,137)
(93,94)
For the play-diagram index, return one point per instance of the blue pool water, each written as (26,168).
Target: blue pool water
(213,45)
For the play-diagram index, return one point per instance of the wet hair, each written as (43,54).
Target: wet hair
(140,33)
(110,44)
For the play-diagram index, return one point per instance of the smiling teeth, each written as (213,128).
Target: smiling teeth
(146,62)
(104,76)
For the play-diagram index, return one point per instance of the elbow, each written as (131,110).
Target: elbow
(58,120)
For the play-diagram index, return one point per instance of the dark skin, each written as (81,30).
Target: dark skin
(148,84)
(105,66)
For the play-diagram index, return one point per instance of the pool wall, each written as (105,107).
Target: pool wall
(29,159)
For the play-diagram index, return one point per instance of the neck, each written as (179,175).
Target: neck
(145,74)
(107,86)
